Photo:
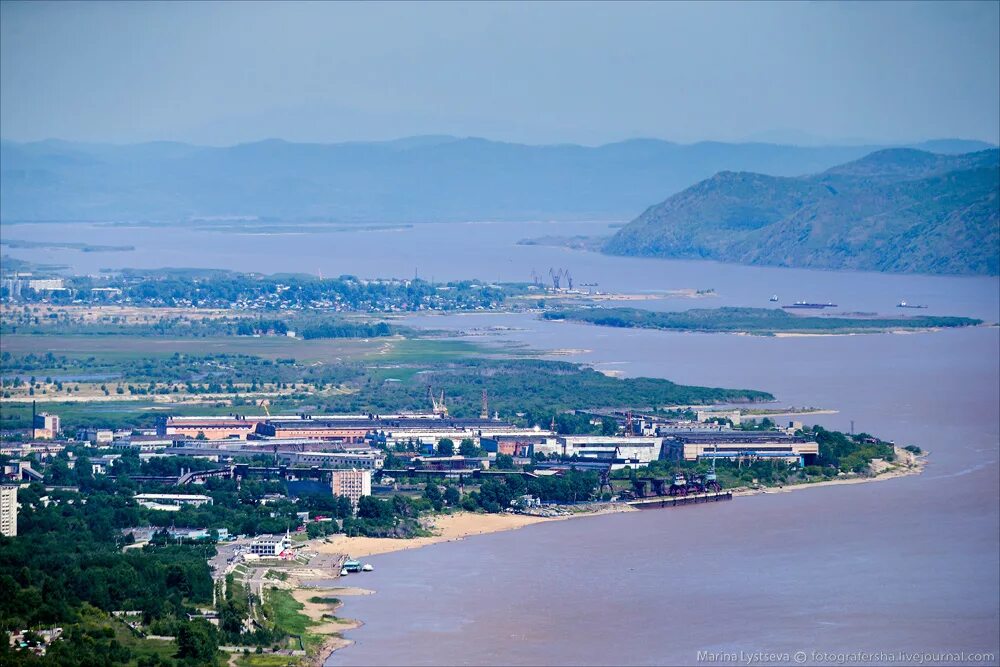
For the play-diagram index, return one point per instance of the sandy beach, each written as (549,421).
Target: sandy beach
(324,615)
(449,528)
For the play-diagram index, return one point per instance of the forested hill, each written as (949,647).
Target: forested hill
(417,179)
(897,210)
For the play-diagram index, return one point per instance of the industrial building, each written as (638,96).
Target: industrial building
(353,484)
(148,443)
(8,510)
(96,436)
(45,426)
(347,429)
(518,445)
(745,445)
(621,450)
(209,428)
(171,501)
(372,459)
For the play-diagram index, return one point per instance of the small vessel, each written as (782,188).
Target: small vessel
(343,572)
(367,567)
(352,566)
(774,298)
(903,304)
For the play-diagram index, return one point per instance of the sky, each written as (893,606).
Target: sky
(589,73)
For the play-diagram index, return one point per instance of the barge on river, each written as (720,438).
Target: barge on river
(659,502)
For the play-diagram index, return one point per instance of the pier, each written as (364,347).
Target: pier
(659,502)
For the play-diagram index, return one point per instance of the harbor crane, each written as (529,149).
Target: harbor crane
(437,404)
(558,276)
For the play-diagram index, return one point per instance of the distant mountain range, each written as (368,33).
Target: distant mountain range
(438,178)
(900,210)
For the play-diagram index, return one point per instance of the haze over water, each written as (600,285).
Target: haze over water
(908,564)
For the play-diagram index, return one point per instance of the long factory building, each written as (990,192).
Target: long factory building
(346,429)
(741,445)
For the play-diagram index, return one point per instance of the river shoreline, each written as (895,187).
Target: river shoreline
(455,527)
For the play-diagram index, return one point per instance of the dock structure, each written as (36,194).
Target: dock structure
(659,502)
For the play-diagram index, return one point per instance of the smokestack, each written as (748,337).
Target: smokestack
(33,413)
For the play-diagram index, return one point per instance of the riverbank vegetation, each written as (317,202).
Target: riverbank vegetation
(131,388)
(66,568)
(761,321)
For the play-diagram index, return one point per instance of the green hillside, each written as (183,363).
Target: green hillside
(897,210)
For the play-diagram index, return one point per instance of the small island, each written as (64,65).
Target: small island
(756,321)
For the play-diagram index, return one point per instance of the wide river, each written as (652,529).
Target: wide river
(868,573)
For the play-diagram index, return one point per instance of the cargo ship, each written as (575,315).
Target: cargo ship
(804,304)
(903,304)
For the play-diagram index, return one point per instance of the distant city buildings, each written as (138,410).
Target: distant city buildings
(352,484)
(47,284)
(8,510)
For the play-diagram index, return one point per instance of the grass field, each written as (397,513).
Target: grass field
(396,349)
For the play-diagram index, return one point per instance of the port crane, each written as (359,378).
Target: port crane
(437,404)
(558,275)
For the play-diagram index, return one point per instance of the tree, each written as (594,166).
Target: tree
(446,447)
(452,496)
(433,494)
(505,462)
(468,448)
(197,642)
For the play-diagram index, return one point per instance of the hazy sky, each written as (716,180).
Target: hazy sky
(536,73)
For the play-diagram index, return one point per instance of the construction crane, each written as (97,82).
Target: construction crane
(556,277)
(485,413)
(264,403)
(569,279)
(535,278)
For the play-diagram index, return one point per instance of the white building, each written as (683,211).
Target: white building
(352,483)
(8,510)
(46,284)
(732,415)
(171,501)
(97,436)
(640,450)
(269,545)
